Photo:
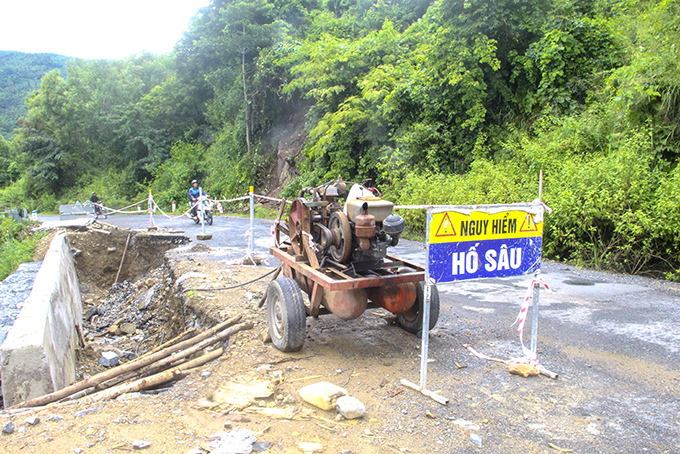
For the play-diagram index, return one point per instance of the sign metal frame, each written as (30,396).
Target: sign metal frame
(535,209)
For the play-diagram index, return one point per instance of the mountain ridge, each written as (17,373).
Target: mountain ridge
(20,75)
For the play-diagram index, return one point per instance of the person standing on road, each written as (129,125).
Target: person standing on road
(194,193)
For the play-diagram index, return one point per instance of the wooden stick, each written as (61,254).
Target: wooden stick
(182,337)
(122,258)
(176,358)
(107,232)
(138,385)
(547,373)
(127,367)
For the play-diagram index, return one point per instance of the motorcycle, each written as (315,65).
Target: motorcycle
(203,210)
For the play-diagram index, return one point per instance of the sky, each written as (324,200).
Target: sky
(94,29)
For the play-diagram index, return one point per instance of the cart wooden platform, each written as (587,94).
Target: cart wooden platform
(286,309)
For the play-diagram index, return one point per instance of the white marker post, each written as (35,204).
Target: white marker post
(203,235)
(252,223)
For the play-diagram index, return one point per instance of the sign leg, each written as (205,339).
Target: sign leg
(534,316)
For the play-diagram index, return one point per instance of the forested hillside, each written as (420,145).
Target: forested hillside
(20,75)
(443,101)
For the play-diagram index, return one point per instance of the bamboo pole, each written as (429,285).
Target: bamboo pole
(176,358)
(156,379)
(127,367)
(122,258)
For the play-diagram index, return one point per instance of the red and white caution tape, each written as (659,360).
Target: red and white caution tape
(529,356)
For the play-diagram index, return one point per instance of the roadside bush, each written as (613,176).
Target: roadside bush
(603,209)
(615,205)
(16,245)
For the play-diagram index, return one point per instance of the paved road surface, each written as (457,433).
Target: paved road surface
(614,339)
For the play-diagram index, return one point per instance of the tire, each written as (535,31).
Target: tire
(286,315)
(208,217)
(412,321)
(197,219)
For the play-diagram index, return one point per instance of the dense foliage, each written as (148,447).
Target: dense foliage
(438,101)
(20,74)
(17,244)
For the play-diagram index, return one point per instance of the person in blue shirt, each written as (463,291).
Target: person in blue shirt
(194,193)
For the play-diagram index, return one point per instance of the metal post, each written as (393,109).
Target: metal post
(150,209)
(534,314)
(252,222)
(425,331)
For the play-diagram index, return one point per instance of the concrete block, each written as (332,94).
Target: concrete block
(38,355)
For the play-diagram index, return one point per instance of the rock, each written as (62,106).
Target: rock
(128,328)
(77,450)
(112,249)
(252,261)
(249,296)
(32,421)
(476,439)
(8,428)
(94,310)
(309,448)
(525,370)
(288,400)
(236,440)
(109,359)
(140,444)
(350,407)
(322,394)
(55,418)
(115,330)
(143,301)
(206,374)
(189,275)
(261,446)
(266,337)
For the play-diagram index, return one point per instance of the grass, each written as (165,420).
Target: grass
(17,245)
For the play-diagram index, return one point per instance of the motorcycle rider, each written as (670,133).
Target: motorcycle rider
(97,202)
(194,193)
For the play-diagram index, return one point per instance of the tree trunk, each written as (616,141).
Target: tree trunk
(245,92)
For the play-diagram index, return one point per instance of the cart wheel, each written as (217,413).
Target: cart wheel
(208,217)
(412,321)
(286,315)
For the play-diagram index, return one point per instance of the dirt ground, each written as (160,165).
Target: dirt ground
(367,356)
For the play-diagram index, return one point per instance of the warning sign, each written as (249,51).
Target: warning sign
(446,227)
(485,241)
(528,225)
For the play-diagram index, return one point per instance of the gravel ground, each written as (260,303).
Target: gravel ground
(613,340)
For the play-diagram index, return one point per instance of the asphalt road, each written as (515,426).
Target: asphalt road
(614,340)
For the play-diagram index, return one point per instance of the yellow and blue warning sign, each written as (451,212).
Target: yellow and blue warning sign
(484,242)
